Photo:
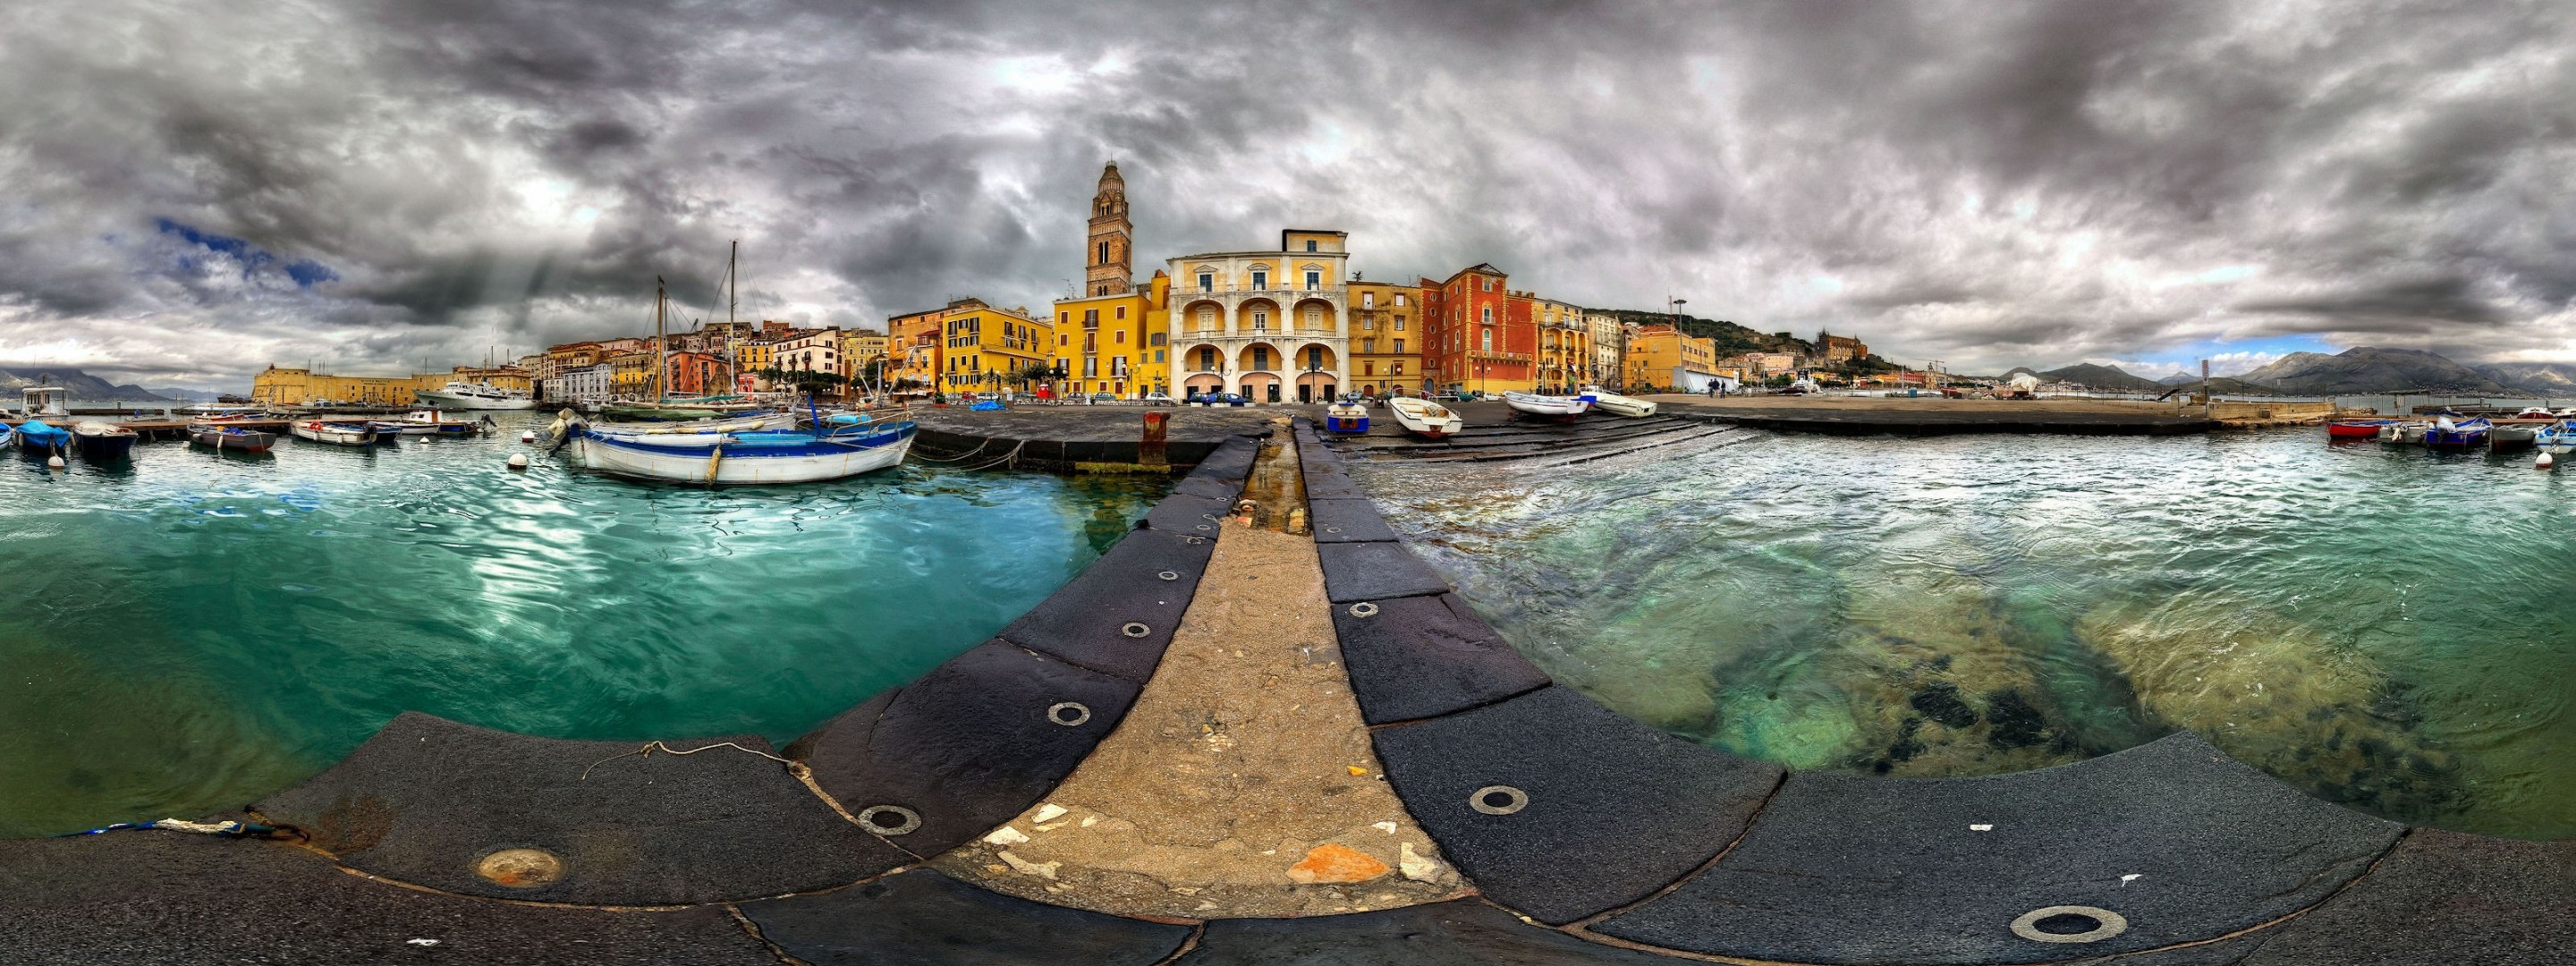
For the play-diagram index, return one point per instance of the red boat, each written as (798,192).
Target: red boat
(2355,428)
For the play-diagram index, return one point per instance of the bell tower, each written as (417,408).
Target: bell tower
(1111,250)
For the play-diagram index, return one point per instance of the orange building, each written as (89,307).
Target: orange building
(1482,339)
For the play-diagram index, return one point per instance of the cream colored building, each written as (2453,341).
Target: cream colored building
(1609,347)
(1267,324)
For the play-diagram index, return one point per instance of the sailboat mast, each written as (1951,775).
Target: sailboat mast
(661,343)
(733,336)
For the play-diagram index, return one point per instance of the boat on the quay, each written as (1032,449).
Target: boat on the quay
(102,440)
(1424,418)
(475,395)
(2448,433)
(757,457)
(1618,405)
(335,433)
(1346,415)
(1559,408)
(38,436)
(233,439)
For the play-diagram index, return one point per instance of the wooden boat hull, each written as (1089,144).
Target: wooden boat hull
(1425,419)
(103,444)
(1555,408)
(232,441)
(2355,429)
(684,460)
(334,434)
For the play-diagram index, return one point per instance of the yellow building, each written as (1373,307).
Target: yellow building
(287,387)
(1117,344)
(752,355)
(862,347)
(1386,340)
(987,348)
(915,347)
(1564,346)
(1661,357)
(630,374)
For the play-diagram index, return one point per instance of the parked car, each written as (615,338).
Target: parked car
(1102,398)
(1158,399)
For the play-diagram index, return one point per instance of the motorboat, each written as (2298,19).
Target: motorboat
(2403,433)
(2506,439)
(427,422)
(2458,434)
(103,440)
(1559,408)
(1424,418)
(233,439)
(1346,415)
(37,436)
(1618,405)
(475,395)
(2535,412)
(2556,438)
(335,433)
(2356,428)
(765,456)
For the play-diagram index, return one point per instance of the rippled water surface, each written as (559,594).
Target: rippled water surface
(2384,627)
(193,631)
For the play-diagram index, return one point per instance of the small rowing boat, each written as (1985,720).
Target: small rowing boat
(1558,408)
(233,439)
(1617,405)
(103,441)
(1346,415)
(2356,428)
(336,434)
(1424,418)
(768,456)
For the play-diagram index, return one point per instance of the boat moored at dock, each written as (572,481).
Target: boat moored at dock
(475,395)
(2448,433)
(103,441)
(758,457)
(2356,428)
(231,439)
(335,433)
(38,436)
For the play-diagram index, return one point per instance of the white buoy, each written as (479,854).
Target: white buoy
(54,462)
(2543,461)
(518,462)
(527,436)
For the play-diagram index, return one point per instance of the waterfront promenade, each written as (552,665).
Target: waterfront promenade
(1259,729)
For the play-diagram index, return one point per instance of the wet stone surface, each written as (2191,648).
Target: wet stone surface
(925,917)
(1461,933)
(1558,808)
(2173,837)
(427,801)
(1421,657)
(1117,616)
(1375,571)
(173,899)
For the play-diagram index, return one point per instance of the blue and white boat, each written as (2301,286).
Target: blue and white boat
(761,456)
(2556,438)
(36,436)
(2458,434)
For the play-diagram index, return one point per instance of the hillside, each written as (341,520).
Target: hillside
(2109,378)
(2547,379)
(2368,369)
(83,386)
(1728,337)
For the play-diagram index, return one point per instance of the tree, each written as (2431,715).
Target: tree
(1035,372)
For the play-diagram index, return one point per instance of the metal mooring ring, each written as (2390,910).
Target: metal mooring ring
(2106,924)
(1135,629)
(907,819)
(1332,529)
(1364,609)
(1193,539)
(1498,800)
(1169,575)
(1080,714)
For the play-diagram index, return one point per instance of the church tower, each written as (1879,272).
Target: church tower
(1111,249)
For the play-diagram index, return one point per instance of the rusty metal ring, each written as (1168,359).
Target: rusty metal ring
(908,819)
(1364,609)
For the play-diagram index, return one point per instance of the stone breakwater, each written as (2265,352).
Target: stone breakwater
(1585,837)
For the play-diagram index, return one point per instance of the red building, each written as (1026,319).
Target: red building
(697,374)
(1483,338)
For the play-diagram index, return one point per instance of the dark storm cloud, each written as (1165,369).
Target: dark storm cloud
(1988,184)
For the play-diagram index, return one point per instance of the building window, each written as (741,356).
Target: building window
(1489,340)
(1489,284)
(1314,357)
(1399,345)
(1310,244)
(1065,339)
(1158,355)
(1399,298)
(1154,339)
(1489,315)
(1090,367)
(1207,319)
(1314,318)
(1260,321)
(1368,300)
(1207,360)
(1399,320)
(1122,311)
(1207,282)
(1314,280)
(1399,366)
(1104,254)
(1260,280)
(1261,358)
(1368,368)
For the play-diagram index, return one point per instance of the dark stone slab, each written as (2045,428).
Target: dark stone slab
(426,799)
(1853,868)
(1422,657)
(1347,521)
(1461,933)
(1231,460)
(1086,621)
(2441,898)
(1186,514)
(974,742)
(923,917)
(1615,810)
(173,899)
(1209,486)
(1332,484)
(1375,571)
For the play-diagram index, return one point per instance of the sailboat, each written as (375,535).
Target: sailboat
(663,406)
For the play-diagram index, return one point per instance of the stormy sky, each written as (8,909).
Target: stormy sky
(190,191)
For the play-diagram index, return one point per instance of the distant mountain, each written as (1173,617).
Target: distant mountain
(2369,369)
(83,386)
(185,394)
(2551,379)
(2178,379)
(2092,376)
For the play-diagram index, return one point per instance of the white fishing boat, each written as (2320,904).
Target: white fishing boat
(475,395)
(2556,438)
(1560,408)
(1424,418)
(336,434)
(1617,405)
(428,422)
(768,456)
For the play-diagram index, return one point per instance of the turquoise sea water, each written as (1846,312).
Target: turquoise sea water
(193,631)
(2384,627)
